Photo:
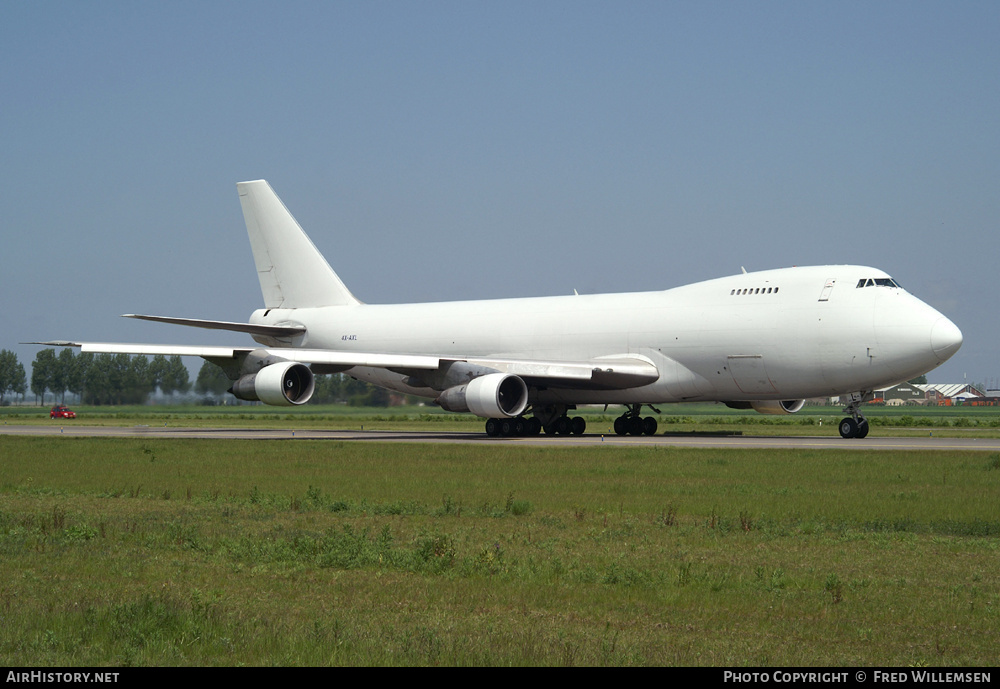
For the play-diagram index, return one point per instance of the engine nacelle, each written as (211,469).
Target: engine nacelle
(777,406)
(493,396)
(283,384)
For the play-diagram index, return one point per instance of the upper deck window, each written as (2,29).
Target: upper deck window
(755,290)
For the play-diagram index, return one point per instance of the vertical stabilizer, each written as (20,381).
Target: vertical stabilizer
(292,271)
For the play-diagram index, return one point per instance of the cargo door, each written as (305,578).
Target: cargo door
(750,374)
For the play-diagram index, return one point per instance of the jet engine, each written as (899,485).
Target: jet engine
(282,384)
(770,406)
(493,396)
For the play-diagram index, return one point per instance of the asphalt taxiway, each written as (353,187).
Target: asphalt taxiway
(872,442)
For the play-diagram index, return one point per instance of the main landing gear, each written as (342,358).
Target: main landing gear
(520,426)
(856,425)
(552,419)
(517,426)
(631,423)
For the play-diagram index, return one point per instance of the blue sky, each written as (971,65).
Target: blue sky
(446,150)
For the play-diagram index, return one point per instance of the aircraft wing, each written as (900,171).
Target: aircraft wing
(305,356)
(604,372)
(611,373)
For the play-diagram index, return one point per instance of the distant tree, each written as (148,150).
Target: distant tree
(158,370)
(42,373)
(176,378)
(77,380)
(138,382)
(66,367)
(329,389)
(369,396)
(20,385)
(95,380)
(11,374)
(111,378)
(341,388)
(211,380)
(919,380)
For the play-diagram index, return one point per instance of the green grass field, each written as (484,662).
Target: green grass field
(143,551)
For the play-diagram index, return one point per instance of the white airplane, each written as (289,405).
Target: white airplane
(762,340)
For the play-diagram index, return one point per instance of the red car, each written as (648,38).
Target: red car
(61,411)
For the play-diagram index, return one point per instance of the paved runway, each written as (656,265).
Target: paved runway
(872,442)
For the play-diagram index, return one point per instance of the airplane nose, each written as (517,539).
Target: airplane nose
(946,338)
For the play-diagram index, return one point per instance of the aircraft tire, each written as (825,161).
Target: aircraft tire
(492,427)
(578,425)
(621,426)
(848,428)
(649,426)
(635,426)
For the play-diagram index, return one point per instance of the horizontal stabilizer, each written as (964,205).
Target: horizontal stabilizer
(147,349)
(252,328)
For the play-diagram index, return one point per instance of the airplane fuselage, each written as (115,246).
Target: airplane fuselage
(772,335)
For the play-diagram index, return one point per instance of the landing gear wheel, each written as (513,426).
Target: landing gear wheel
(849,428)
(621,426)
(563,425)
(862,430)
(492,427)
(649,425)
(635,426)
(534,426)
(578,425)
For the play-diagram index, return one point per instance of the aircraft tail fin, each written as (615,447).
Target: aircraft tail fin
(292,271)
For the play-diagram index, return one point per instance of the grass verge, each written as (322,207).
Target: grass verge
(189,552)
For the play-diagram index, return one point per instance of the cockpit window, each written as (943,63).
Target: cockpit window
(878,282)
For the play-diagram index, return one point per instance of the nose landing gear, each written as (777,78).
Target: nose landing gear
(856,425)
